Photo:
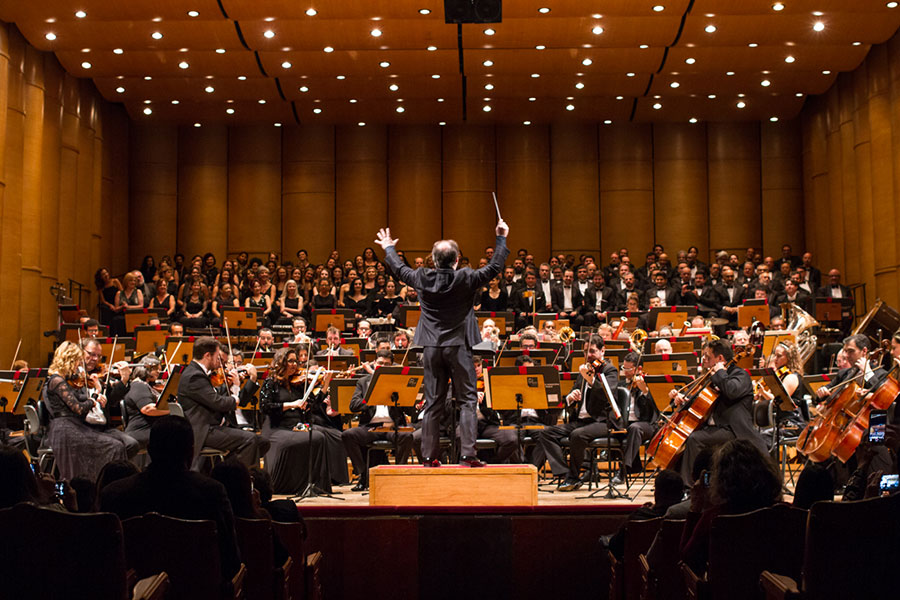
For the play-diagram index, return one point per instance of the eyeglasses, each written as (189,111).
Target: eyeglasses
(292,361)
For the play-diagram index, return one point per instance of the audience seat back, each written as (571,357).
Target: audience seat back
(292,536)
(852,549)
(665,581)
(638,537)
(742,546)
(264,579)
(53,554)
(187,551)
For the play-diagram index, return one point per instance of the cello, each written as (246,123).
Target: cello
(669,441)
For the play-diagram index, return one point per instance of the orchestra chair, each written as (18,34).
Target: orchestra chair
(304,578)
(613,441)
(742,546)
(213,454)
(56,554)
(265,580)
(665,581)
(851,551)
(764,418)
(188,551)
(32,431)
(46,459)
(125,420)
(625,575)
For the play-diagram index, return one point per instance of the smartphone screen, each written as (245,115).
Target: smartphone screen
(60,487)
(890,483)
(877,424)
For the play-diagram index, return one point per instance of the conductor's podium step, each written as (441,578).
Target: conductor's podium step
(453,485)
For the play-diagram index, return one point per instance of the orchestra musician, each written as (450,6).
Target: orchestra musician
(730,416)
(785,360)
(639,415)
(357,439)
(567,300)
(140,401)
(334,341)
(589,400)
(489,421)
(447,330)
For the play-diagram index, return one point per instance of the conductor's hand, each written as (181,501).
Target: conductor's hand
(502,228)
(383,238)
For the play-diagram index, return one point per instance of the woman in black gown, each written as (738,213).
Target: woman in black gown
(108,288)
(356,299)
(285,428)
(493,299)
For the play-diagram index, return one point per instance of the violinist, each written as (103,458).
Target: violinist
(245,391)
(356,439)
(785,360)
(286,427)
(79,448)
(589,402)
(640,414)
(140,401)
(206,404)
(730,416)
(113,388)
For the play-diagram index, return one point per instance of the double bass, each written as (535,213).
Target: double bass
(669,441)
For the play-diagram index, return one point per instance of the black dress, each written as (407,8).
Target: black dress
(106,313)
(491,305)
(363,307)
(79,449)
(192,307)
(384,306)
(139,395)
(154,303)
(288,457)
(320,302)
(292,303)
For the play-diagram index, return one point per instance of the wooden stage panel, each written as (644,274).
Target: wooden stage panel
(453,485)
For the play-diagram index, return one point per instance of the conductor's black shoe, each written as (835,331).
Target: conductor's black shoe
(569,485)
(359,487)
(431,462)
(471,461)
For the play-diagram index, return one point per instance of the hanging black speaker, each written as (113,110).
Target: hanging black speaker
(473,11)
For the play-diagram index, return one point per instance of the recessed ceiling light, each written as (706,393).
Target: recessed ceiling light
(778,6)
(826,72)
(147,78)
(674,84)
(644,46)
(183,65)
(85,65)
(711,96)
(488,63)
(242,78)
(579,86)
(118,51)
(597,30)
(50,36)
(818,13)
(328,49)
(799,94)
(394,87)
(148,111)
(587,62)
(752,45)
(607,122)
(120,90)
(384,64)
(543,10)
(857,43)
(570,107)
(193,13)
(819,26)
(659,8)
(80,14)
(375,32)
(629,74)
(692,120)
(220,50)
(741,104)
(352,100)
(540,47)
(526,122)
(341,77)
(442,123)
(230,111)
(261,101)
(173,102)
(286,65)
(303,89)
(532,99)
(362,123)
(431,48)
(311,12)
(268,33)
(765,83)
(535,75)
(156,35)
(209,89)
(690,61)
(424,11)
(710,29)
(489,31)
(892,4)
(657,106)
(773,119)
(440,99)
(197,125)
(620,97)
(486,108)
(317,110)
(729,73)
(789,59)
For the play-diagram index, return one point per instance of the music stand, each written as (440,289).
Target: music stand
(633,317)
(813,382)
(356,344)
(673,316)
(400,387)
(108,345)
(11,384)
(141,316)
(241,318)
(504,320)
(753,310)
(660,385)
(774,384)
(540,357)
(566,384)
(615,355)
(70,332)
(323,318)
(679,344)
(683,363)
(830,310)
(410,315)
(341,393)
(149,338)
(170,390)
(185,347)
(515,388)
(369,356)
(553,318)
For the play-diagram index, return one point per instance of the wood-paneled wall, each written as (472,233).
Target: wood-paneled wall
(63,192)
(569,188)
(851,174)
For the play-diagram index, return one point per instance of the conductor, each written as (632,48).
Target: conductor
(447,331)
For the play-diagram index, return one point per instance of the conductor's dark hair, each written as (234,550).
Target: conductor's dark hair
(860,340)
(595,340)
(444,253)
(205,345)
(721,348)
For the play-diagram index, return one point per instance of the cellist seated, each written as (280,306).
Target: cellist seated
(730,414)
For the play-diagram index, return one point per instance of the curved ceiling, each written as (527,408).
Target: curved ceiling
(396,61)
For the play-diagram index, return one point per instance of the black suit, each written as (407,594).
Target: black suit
(673,295)
(814,277)
(622,298)
(580,429)
(730,418)
(205,407)
(641,428)
(181,494)
(590,309)
(846,309)
(522,303)
(356,439)
(737,298)
(802,299)
(557,294)
(447,330)
(707,300)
